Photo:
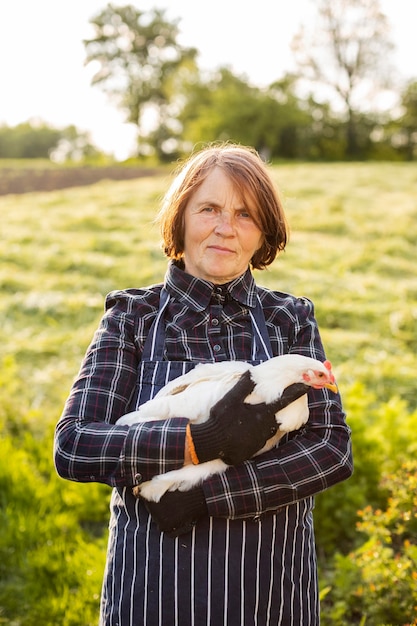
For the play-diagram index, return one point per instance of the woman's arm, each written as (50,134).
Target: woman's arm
(310,461)
(317,458)
(88,445)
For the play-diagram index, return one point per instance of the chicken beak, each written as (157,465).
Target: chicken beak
(332,386)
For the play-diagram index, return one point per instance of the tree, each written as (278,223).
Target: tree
(376,582)
(346,54)
(37,140)
(28,140)
(406,136)
(296,120)
(139,60)
(226,107)
(74,146)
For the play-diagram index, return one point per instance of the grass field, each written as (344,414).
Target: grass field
(352,251)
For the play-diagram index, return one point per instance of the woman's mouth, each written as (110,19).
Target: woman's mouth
(221,249)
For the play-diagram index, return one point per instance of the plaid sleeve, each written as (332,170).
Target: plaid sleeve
(88,445)
(310,461)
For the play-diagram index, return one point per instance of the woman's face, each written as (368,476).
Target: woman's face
(220,234)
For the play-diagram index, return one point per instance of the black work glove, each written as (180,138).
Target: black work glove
(177,512)
(236,430)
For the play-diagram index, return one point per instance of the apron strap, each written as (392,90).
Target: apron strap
(153,349)
(261,346)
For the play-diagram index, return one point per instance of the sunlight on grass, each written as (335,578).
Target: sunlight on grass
(351,251)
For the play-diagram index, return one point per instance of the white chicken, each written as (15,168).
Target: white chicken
(193,394)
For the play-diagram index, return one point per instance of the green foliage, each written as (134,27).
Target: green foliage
(51,561)
(27,141)
(31,140)
(344,52)
(380,430)
(351,251)
(52,540)
(139,59)
(404,129)
(225,107)
(145,70)
(377,583)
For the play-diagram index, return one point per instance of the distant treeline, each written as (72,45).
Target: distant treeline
(38,140)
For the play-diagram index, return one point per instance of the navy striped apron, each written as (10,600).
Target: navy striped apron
(224,572)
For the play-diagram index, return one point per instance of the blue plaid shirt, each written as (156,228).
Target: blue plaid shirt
(202,324)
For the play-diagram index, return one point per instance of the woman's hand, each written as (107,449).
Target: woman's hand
(236,430)
(177,512)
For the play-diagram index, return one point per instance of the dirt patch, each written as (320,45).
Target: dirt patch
(25,180)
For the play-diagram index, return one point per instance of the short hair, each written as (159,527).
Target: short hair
(248,172)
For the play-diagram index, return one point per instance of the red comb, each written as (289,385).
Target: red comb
(328,366)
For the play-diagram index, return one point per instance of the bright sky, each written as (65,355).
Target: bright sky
(42,72)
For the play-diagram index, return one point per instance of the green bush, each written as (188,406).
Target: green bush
(376,584)
(52,540)
(383,434)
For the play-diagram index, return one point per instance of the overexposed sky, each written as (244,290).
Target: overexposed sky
(42,71)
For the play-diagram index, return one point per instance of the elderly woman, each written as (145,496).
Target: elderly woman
(248,556)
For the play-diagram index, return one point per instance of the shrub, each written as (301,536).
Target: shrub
(377,583)
(52,541)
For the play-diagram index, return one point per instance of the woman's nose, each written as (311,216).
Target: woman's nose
(224,225)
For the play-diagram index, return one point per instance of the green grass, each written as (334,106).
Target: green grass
(352,250)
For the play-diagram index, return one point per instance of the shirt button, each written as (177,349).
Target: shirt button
(138,478)
(215,321)
(217,348)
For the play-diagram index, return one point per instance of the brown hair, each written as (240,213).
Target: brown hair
(249,173)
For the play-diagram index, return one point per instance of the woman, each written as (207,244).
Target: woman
(248,556)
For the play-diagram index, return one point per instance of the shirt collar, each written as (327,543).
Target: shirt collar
(198,292)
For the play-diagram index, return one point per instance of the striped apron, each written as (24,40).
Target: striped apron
(224,572)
